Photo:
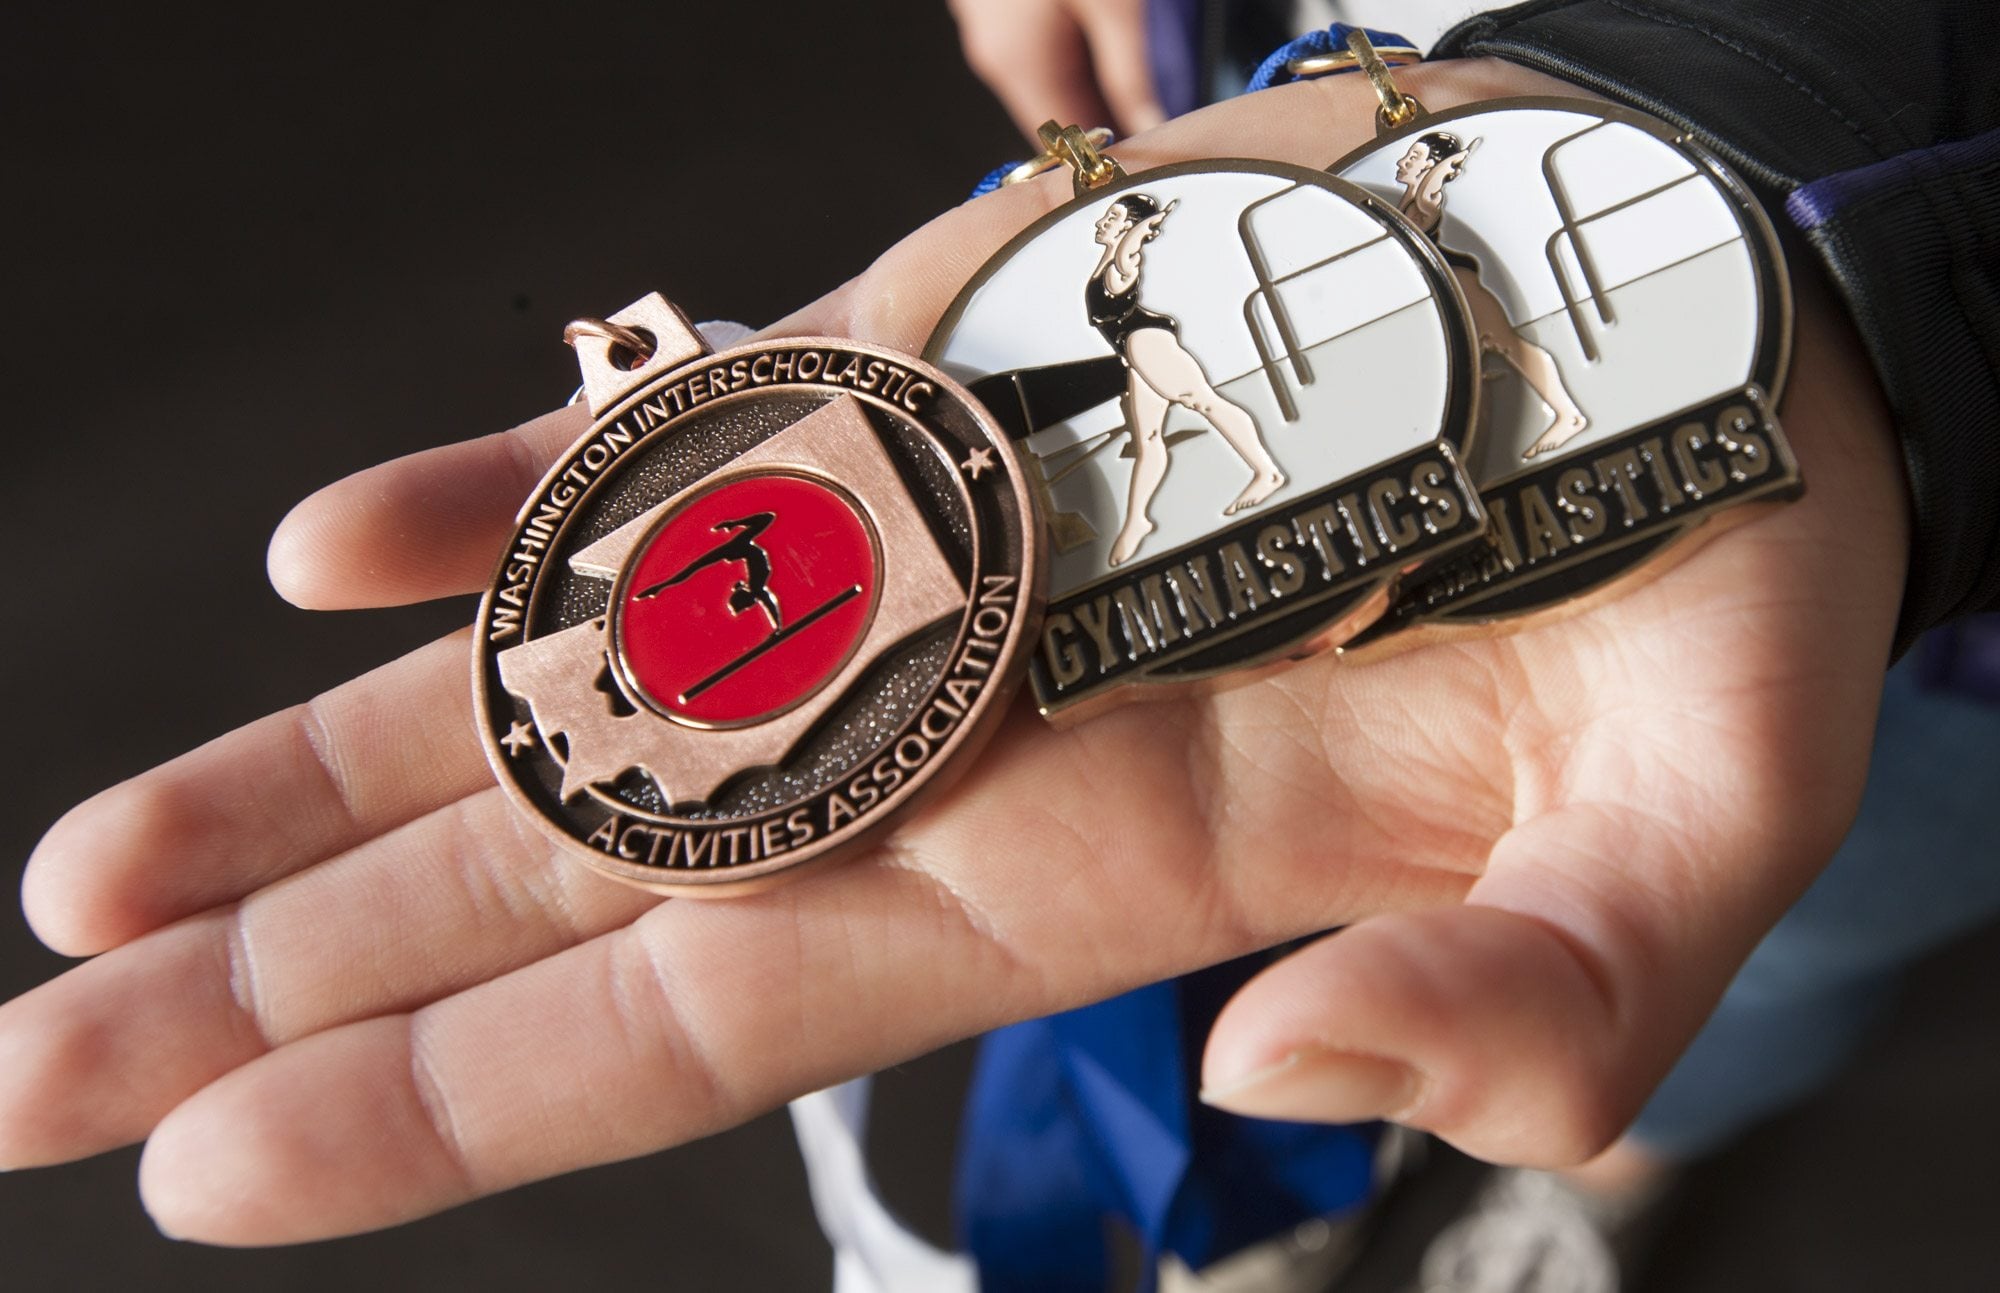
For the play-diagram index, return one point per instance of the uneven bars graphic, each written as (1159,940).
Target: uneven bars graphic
(1572,229)
(1267,291)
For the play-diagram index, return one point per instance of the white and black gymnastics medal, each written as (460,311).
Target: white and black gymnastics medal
(1634,325)
(1244,390)
(767,599)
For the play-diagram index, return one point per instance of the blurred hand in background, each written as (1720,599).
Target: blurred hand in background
(1081,62)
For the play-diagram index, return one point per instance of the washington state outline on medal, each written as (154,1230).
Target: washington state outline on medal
(689,756)
(771,596)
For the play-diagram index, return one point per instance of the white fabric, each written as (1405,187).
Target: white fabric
(1527,1232)
(724,333)
(872,1251)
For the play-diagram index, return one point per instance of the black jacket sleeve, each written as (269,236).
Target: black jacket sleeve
(1875,126)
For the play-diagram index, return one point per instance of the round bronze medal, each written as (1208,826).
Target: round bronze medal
(773,595)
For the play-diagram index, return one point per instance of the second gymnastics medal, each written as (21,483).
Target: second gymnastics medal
(1634,326)
(1244,390)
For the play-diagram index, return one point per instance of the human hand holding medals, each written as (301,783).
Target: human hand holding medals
(1552,846)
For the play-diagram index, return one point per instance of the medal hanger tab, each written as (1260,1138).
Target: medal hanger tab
(619,355)
(1397,109)
(1075,148)
(1098,137)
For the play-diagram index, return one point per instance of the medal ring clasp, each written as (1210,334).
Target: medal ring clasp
(1397,109)
(1307,66)
(1098,137)
(630,347)
(1076,148)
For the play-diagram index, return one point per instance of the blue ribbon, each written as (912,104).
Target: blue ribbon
(991,180)
(1086,1120)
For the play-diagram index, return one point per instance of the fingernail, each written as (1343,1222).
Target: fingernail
(1315,1085)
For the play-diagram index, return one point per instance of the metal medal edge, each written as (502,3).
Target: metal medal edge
(1367,598)
(1030,567)
(1770,371)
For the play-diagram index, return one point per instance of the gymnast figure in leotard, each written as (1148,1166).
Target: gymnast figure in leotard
(1161,372)
(754,589)
(1432,162)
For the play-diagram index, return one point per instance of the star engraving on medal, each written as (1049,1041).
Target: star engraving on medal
(981,459)
(519,737)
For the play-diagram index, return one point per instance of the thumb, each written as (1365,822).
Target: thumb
(1527,1026)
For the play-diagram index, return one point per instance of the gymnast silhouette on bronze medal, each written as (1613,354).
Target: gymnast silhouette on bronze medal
(754,589)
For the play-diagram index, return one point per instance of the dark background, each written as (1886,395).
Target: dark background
(244,259)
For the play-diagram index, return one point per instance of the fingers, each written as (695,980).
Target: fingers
(432,524)
(1531,1025)
(1116,30)
(95,1058)
(1657,843)
(259,803)
(426,525)
(67,1082)
(692,1021)
(1526,1027)
(701,1014)
(1035,59)
(689,1021)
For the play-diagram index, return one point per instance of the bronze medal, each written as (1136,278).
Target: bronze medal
(771,596)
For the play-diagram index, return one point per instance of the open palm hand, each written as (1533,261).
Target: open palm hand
(378,992)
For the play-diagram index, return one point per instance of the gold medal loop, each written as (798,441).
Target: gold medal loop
(1097,137)
(1308,66)
(1397,108)
(1076,148)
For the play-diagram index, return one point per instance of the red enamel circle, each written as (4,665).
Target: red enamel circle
(748,599)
